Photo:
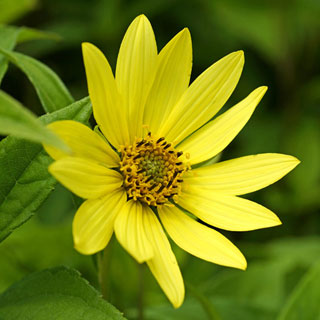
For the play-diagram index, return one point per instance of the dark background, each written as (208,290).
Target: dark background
(281,44)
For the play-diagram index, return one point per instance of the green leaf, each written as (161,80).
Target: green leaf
(20,122)
(27,34)
(58,293)
(304,300)
(247,286)
(8,37)
(52,93)
(12,10)
(24,179)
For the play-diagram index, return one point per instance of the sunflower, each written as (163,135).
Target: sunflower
(141,169)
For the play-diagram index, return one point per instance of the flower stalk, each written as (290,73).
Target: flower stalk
(103,263)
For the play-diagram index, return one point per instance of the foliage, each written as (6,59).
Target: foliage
(58,292)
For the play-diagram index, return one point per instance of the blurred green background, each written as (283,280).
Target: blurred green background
(281,44)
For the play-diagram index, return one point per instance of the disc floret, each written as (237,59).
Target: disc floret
(152,170)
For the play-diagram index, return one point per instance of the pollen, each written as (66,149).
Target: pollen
(152,170)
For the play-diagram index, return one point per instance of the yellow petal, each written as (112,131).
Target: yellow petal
(204,98)
(164,265)
(85,178)
(199,240)
(93,223)
(83,142)
(217,134)
(108,109)
(171,80)
(130,230)
(135,70)
(225,211)
(242,175)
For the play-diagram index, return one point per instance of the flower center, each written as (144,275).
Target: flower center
(152,171)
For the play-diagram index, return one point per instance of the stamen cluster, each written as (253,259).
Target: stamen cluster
(152,171)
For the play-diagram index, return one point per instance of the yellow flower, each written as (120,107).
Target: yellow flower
(151,116)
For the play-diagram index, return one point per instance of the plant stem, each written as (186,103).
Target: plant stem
(103,270)
(205,303)
(141,292)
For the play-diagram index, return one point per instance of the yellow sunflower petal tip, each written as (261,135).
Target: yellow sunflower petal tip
(243,264)
(177,304)
(141,19)
(261,91)
(85,44)
(237,56)
(291,161)
(185,31)
(141,16)
(184,36)
(240,53)
(89,46)
(273,221)
(295,160)
(278,222)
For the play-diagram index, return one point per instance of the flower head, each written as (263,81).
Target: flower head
(137,171)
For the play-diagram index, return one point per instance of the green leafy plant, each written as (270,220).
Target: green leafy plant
(282,280)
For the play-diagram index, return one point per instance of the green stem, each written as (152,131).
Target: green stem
(141,292)
(103,262)
(205,303)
